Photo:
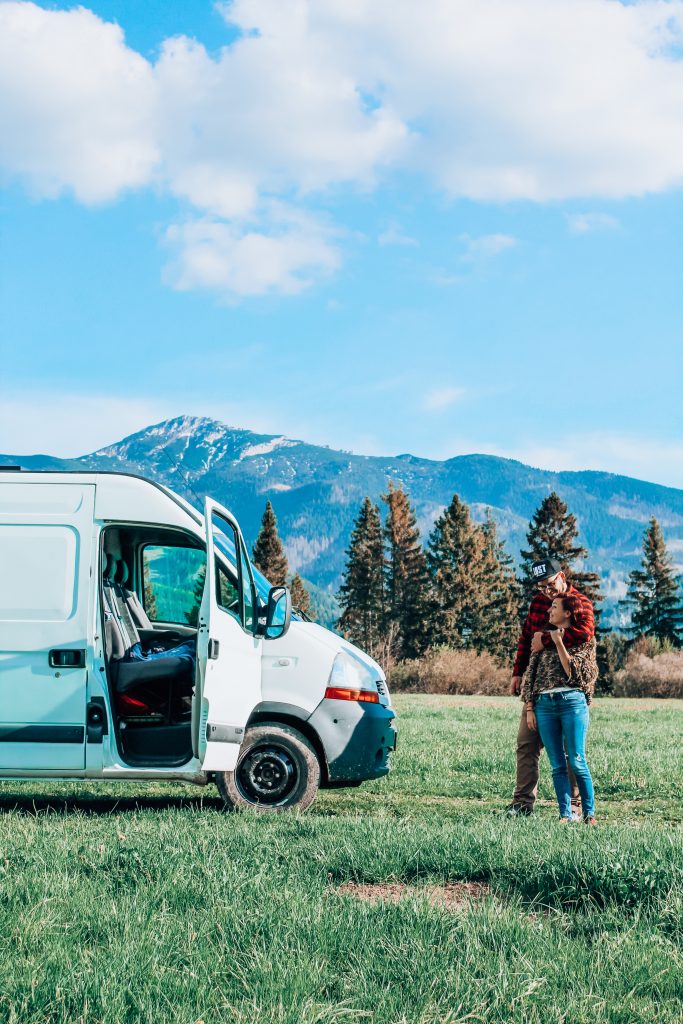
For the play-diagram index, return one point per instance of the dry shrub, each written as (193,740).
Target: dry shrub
(650,670)
(444,670)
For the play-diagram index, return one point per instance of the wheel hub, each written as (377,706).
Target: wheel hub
(267,775)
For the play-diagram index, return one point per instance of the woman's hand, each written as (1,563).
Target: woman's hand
(557,636)
(531,720)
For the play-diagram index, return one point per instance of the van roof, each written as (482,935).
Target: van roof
(166,491)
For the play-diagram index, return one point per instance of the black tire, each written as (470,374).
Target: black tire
(278,770)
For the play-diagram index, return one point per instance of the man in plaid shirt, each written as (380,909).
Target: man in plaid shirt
(551,583)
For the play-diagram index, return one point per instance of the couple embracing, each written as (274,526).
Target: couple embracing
(555,672)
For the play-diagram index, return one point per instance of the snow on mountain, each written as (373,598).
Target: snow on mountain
(316,491)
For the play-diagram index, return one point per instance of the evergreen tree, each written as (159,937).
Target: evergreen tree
(407,576)
(497,609)
(455,557)
(361,594)
(301,599)
(269,554)
(654,592)
(553,533)
(149,595)
(197,593)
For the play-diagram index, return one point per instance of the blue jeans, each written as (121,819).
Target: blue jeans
(562,720)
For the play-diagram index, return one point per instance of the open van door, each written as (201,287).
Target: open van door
(228,684)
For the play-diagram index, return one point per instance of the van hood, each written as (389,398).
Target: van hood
(335,643)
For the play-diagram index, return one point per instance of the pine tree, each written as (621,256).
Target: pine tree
(149,595)
(455,557)
(407,576)
(301,599)
(197,593)
(361,594)
(553,533)
(497,608)
(269,554)
(654,592)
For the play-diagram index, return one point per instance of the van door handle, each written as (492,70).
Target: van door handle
(214,648)
(66,658)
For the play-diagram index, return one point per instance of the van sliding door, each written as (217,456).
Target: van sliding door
(46,600)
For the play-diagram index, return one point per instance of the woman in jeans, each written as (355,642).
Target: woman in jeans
(557,689)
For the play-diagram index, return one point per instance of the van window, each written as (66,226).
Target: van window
(228,593)
(235,593)
(173,582)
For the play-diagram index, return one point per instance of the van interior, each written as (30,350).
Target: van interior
(150,589)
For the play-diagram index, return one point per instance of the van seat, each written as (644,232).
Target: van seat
(135,607)
(155,679)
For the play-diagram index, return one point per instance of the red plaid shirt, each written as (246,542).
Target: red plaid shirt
(537,619)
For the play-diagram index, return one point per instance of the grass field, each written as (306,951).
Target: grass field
(131,903)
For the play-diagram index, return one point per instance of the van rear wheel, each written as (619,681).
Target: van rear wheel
(278,770)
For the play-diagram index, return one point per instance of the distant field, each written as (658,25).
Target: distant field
(127,903)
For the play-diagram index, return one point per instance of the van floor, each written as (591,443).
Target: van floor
(151,743)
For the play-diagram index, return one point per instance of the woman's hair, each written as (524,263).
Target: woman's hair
(571,604)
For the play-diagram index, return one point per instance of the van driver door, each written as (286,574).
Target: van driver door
(228,685)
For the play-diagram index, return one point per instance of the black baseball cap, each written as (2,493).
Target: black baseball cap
(544,569)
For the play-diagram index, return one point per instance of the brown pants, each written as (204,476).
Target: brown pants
(529,748)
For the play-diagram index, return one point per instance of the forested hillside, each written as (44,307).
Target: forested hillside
(317,491)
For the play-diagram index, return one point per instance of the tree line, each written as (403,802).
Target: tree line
(399,598)
(461,590)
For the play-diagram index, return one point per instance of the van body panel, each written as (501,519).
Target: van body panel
(46,597)
(129,499)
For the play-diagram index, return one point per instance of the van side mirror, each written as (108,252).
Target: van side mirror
(278,613)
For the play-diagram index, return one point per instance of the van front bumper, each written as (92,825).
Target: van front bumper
(357,737)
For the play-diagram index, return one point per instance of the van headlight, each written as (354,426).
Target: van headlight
(352,673)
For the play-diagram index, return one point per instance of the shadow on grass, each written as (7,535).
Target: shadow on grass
(104,806)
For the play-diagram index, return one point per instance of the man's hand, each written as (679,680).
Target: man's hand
(537,643)
(515,686)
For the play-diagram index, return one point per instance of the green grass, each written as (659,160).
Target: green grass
(124,902)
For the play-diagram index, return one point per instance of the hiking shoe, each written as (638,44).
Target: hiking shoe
(590,819)
(567,821)
(518,811)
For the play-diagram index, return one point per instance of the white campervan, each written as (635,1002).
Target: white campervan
(137,641)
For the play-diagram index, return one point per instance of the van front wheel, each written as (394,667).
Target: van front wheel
(278,770)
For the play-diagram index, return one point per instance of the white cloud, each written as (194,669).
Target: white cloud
(491,100)
(394,235)
(442,398)
(67,425)
(478,250)
(78,108)
(586,223)
(236,263)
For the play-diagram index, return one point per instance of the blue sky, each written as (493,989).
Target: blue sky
(356,224)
